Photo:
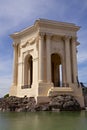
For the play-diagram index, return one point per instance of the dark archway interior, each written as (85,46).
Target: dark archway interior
(28,71)
(56,70)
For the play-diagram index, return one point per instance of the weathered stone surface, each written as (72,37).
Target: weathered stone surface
(42,107)
(17,104)
(64,102)
(57,103)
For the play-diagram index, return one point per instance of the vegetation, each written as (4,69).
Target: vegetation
(7,95)
(84,88)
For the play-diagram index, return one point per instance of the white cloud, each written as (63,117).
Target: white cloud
(5,81)
(5,84)
(82,48)
(5,65)
(82,57)
(83,74)
(12,13)
(5,76)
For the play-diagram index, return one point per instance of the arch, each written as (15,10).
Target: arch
(28,71)
(56,69)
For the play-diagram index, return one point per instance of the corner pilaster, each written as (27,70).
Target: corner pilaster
(67,59)
(41,57)
(15,64)
(74,59)
(48,55)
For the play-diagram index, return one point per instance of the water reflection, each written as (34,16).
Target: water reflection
(44,121)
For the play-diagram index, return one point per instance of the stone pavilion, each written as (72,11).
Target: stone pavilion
(45,61)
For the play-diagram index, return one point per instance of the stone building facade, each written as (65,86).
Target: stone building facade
(45,61)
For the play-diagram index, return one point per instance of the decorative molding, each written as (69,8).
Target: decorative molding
(15,44)
(20,63)
(35,59)
(27,52)
(66,37)
(29,42)
(49,35)
(74,38)
(41,35)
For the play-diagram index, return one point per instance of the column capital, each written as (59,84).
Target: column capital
(41,35)
(74,38)
(66,37)
(15,44)
(49,35)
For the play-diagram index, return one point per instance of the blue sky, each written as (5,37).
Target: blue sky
(16,15)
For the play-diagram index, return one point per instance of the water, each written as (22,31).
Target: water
(43,121)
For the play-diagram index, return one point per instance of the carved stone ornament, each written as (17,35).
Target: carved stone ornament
(29,42)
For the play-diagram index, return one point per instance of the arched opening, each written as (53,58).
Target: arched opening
(56,70)
(28,71)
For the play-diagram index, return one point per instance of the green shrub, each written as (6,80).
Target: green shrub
(7,95)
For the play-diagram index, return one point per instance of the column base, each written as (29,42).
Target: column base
(41,81)
(43,88)
(13,91)
(42,99)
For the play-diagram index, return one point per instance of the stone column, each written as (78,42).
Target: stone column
(41,57)
(48,55)
(68,60)
(35,70)
(15,64)
(22,76)
(74,60)
(55,75)
(58,75)
(63,74)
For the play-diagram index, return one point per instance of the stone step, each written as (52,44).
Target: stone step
(60,90)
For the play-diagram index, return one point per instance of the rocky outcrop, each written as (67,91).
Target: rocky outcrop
(57,103)
(17,104)
(65,102)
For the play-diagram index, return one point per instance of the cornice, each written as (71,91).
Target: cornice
(44,23)
(23,32)
(56,24)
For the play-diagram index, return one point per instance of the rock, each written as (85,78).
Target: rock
(64,102)
(45,107)
(38,108)
(17,104)
(55,110)
(42,107)
(28,104)
(19,109)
